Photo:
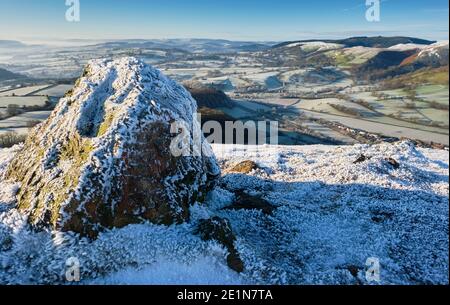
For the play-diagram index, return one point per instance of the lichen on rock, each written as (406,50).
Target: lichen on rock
(103,159)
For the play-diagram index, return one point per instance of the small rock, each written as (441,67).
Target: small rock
(244,167)
(361,159)
(353,270)
(393,163)
(235,262)
(219,229)
(381,216)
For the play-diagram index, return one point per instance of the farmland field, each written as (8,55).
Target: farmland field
(284,102)
(57,91)
(436,115)
(384,128)
(327,132)
(22,119)
(17,130)
(22,101)
(433,93)
(23,91)
(325,105)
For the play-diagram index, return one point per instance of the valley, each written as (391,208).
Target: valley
(387,87)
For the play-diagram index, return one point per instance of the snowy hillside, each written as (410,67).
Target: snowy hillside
(435,49)
(327,215)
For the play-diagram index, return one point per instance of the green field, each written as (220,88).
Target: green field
(433,93)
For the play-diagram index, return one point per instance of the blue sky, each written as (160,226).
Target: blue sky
(257,20)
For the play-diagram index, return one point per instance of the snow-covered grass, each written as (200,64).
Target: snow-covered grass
(334,214)
(331,216)
(314,46)
(204,270)
(407,46)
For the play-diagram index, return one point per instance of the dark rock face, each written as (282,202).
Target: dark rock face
(103,159)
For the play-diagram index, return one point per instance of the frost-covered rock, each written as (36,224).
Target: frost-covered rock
(103,157)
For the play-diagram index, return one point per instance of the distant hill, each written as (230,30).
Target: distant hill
(394,63)
(11,44)
(8,75)
(435,55)
(436,76)
(190,45)
(363,41)
(386,59)
(252,47)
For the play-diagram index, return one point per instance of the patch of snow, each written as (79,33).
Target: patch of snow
(434,49)
(316,46)
(407,46)
(6,155)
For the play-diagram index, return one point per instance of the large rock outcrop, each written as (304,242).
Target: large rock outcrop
(103,159)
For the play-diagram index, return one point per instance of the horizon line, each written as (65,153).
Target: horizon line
(328,37)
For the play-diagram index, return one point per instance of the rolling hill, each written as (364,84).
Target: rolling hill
(8,75)
(363,41)
(389,63)
(11,44)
